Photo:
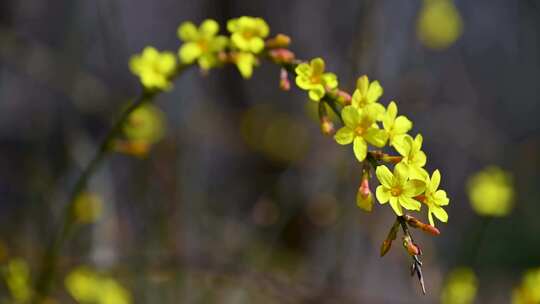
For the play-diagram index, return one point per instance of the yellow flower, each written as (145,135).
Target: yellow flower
(146,123)
(398,189)
(17,276)
(311,77)
(201,44)
(439,24)
(88,208)
(248,33)
(366,92)
(435,198)
(360,129)
(87,286)
(460,287)
(154,68)
(413,157)
(491,192)
(144,127)
(394,125)
(529,291)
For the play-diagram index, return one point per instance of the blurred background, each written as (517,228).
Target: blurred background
(242,200)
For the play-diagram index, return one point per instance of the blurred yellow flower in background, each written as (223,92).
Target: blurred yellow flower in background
(144,127)
(460,287)
(88,286)
(88,208)
(529,291)
(439,24)
(491,192)
(17,276)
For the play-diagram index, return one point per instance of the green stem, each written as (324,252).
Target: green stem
(67,225)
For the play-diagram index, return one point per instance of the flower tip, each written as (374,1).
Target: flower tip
(431,230)
(385,247)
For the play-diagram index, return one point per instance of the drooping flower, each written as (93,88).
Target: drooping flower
(248,33)
(435,199)
(491,192)
(398,189)
(366,92)
(201,44)
(311,77)
(394,125)
(360,129)
(413,157)
(154,68)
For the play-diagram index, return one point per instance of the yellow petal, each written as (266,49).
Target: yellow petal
(414,188)
(374,92)
(187,31)
(344,136)
(409,203)
(383,195)
(362,84)
(396,206)
(384,176)
(360,148)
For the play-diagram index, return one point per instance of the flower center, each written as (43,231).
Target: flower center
(248,35)
(396,191)
(315,79)
(360,130)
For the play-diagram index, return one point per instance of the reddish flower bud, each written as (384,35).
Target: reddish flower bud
(364,197)
(411,248)
(327,126)
(284,82)
(281,55)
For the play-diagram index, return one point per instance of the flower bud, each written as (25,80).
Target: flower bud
(387,244)
(281,55)
(364,197)
(327,126)
(343,97)
(415,223)
(411,248)
(385,247)
(284,82)
(280,41)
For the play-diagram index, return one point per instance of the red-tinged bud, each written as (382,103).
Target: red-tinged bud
(391,159)
(284,82)
(431,230)
(415,223)
(343,97)
(281,55)
(385,247)
(411,248)
(327,126)
(279,41)
(364,197)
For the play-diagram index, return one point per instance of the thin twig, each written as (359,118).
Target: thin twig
(416,266)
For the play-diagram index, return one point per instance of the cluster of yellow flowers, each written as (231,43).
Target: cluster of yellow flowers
(366,121)
(203,45)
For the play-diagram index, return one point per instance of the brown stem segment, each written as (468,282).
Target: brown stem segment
(416,266)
